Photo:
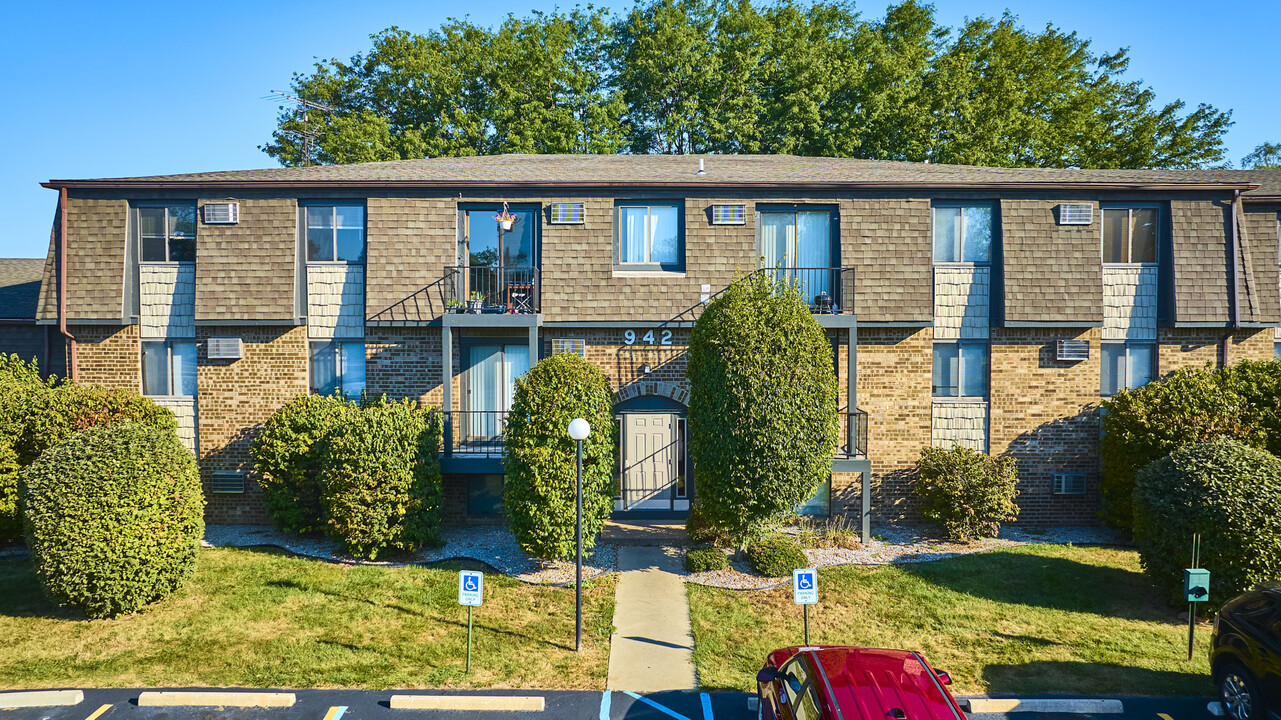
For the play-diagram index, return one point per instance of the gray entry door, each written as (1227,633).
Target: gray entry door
(649,461)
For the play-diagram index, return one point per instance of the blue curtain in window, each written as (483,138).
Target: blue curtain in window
(814,253)
(353,369)
(184,369)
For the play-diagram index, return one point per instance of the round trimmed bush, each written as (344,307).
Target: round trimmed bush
(705,559)
(762,407)
(287,459)
(380,478)
(1228,492)
(114,517)
(776,555)
(539,491)
(966,492)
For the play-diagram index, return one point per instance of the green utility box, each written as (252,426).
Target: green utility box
(1196,584)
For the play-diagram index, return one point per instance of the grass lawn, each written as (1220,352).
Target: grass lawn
(1035,619)
(263,618)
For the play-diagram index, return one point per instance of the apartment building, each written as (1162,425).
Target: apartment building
(987,307)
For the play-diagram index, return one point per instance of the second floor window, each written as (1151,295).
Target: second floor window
(168,368)
(960,370)
(338,367)
(1129,235)
(650,235)
(336,232)
(167,233)
(963,233)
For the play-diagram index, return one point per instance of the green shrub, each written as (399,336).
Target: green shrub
(762,409)
(114,517)
(10,508)
(540,488)
(1185,407)
(776,555)
(287,459)
(966,492)
(379,478)
(1228,492)
(702,529)
(705,559)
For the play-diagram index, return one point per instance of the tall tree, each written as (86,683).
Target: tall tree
(1264,155)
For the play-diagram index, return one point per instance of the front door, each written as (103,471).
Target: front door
(649,461)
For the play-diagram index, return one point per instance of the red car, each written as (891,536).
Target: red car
(838,682)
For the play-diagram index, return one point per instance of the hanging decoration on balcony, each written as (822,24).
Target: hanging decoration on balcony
(505,219)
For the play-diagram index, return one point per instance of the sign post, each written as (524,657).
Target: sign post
(471,591)
(1196,585)
(805,593)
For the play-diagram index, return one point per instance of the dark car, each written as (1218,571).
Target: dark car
(1245,654)
(839,682)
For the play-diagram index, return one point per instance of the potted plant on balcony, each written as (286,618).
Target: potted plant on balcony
(505,219)
(476,303)
(455,305)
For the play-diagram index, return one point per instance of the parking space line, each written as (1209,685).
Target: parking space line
(707,705)
(1163,716)
(335,712)
(604,706)
(98,712)
(656,706)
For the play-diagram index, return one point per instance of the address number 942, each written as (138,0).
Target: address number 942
(664,337)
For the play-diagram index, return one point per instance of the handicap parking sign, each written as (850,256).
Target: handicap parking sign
(805,586)
(471,586)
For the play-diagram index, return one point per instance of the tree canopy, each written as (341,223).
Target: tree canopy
(730,76)
(1264,155)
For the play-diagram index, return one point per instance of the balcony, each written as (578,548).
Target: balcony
(492,289)
(852,439)
(829,291)
(478,433)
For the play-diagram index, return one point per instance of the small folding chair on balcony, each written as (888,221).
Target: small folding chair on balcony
(520,298)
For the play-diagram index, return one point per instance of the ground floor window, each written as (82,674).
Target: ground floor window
(338,367)
(1126,365)
(168,368)
(485,495)
(821,503)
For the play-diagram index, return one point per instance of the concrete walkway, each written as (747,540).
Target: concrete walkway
(652,648)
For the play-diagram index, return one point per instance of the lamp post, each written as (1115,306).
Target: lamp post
(579,429)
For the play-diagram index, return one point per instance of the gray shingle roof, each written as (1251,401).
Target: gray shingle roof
(20,287)
(720,170)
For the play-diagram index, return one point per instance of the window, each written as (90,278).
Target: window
(821,504)
(1276,350)
(798,246)
(1126,365)
(168,368)
(485,495)
(335,232)
(963,233)
(960,370)
(650,235)
(799,689)
(167,233)
(338,367)
(1129,235)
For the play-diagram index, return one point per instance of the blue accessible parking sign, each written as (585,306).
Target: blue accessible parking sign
(805,586)
(471,586)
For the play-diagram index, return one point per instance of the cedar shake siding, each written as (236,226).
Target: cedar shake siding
(1053,273)
(245,271)
(1045,282)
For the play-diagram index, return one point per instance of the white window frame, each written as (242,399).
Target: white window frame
(1129,247)
(169,371)
(333,241)
(339,371)
(1128,383)
(960,370)
(960,241)
(649,263)
(169,236)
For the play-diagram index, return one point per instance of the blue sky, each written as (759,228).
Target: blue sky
(93,89)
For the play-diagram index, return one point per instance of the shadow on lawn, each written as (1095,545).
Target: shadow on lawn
(22,597)
(1024,578)
(1070,677)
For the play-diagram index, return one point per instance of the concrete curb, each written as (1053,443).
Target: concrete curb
(213,698)
(474,703)
(41,698)
(1087,706)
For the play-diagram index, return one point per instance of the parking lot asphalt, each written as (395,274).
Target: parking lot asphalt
(122,704)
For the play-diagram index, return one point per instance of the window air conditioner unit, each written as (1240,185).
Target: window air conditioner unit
(570,345)
(1069,484)
(1072,350)
(222,213)
(567,214)
(729,214)
(1076,214)
(226,348)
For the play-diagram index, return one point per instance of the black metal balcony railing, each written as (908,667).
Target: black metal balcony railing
(475,432)
(492,289)
(828,291)
(852,441)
